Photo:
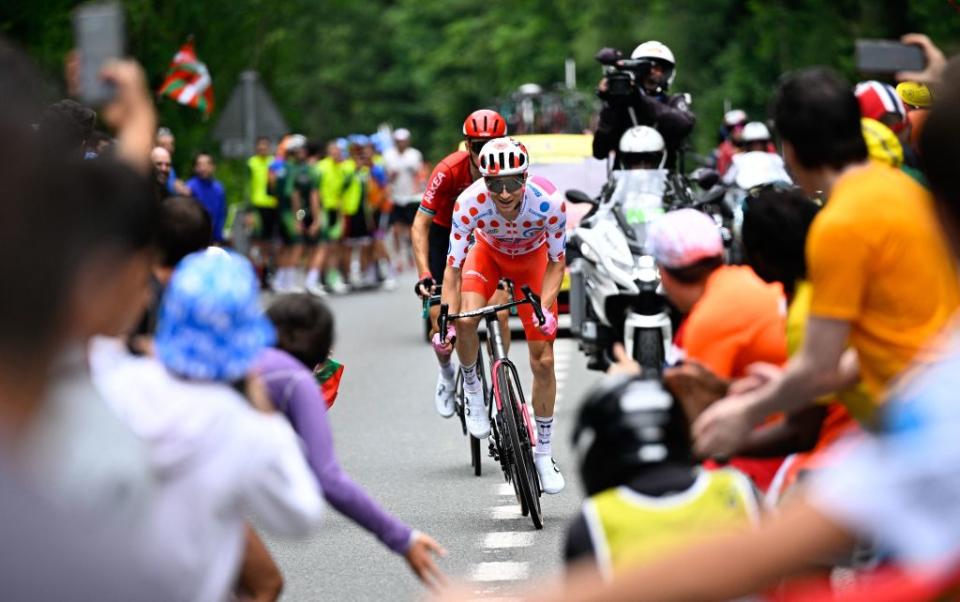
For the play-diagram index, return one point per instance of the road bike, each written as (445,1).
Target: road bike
(458,397)
(513,437)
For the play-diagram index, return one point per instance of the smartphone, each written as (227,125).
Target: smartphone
(888,56)
(99,37)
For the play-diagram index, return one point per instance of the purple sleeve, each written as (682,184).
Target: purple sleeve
(307,412)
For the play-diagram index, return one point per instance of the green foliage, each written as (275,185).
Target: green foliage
(338,66)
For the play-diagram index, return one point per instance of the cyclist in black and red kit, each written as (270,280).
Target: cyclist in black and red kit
(431,227)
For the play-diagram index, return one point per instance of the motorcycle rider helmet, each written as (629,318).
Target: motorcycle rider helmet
(503,157)
(484,124)
(659,52)
(642,147)
(734,118)
(624,426)
(755,131)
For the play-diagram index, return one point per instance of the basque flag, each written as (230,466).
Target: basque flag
(188,81)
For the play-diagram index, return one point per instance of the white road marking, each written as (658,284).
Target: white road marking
(505,489)
(508,539)
(500,571)
(506,512)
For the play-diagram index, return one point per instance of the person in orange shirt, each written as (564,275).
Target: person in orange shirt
(733,318)
(882,276)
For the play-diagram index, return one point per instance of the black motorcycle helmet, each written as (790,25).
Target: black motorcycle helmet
(626,425)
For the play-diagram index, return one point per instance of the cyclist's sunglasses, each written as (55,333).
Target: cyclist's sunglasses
(498,185)
(477,145)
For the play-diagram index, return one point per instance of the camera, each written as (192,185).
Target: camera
(623,75)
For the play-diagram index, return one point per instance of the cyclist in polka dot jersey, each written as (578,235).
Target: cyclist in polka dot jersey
(542,220)
(518,226)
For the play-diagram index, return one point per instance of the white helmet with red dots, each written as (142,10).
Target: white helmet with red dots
(503,157)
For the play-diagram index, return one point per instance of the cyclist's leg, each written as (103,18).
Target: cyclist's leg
(480,274)
(530,271)
(438,240)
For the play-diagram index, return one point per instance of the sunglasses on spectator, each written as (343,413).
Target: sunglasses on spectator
(498,185)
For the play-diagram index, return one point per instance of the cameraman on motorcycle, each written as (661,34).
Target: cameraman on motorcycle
(642,99)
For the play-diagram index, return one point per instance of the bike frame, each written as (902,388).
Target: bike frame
(501,361)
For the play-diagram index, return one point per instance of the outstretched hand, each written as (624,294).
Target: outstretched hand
(936,61)
(420,558)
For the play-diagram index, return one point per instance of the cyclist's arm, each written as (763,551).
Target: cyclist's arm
(419,236)
(556,249)
(552,280)
(462,226)
(450,294)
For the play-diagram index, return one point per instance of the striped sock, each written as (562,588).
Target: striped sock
(544,432)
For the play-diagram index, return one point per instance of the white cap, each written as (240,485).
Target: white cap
(734,117)
(681,238)
(755,131)
(401,134)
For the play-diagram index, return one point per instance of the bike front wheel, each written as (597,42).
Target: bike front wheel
(524,472)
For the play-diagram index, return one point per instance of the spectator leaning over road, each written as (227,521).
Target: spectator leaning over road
(165,139)
(733,319)
(209,191)
(898,487)
(305,334)
(775,226)
(882,277)
(220,458)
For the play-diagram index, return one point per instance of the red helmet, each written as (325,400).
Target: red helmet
(484,123)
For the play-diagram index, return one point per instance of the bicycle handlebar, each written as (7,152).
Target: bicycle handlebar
(528,297)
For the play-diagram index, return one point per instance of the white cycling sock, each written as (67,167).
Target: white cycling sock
(446,369)
(313,278)
(544,432)
(470,381)
(283,278)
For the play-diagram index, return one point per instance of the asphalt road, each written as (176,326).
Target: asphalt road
(390,439)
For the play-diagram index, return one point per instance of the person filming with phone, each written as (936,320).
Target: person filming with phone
(634,92)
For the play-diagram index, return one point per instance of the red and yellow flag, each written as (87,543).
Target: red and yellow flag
(188,81)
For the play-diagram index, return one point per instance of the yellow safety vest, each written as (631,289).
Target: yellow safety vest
(627,527)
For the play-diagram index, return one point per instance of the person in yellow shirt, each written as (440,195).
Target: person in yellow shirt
(883,279)
(645,494)
(264,205)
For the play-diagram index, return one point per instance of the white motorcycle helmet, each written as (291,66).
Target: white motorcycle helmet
(659,51)
(755,131)
(643,143)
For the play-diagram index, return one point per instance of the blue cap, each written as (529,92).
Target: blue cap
(343,144)
(358,139)
(211,324)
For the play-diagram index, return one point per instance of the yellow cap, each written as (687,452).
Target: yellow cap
(882,143)
(915,94)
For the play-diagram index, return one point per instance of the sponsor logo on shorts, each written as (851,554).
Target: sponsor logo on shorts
(475,274)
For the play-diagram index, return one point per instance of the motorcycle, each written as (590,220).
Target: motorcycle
(614,284)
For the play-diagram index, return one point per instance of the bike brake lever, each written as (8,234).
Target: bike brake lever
(533,300)
(442,321)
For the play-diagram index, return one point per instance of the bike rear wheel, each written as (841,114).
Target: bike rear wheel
(524,473)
